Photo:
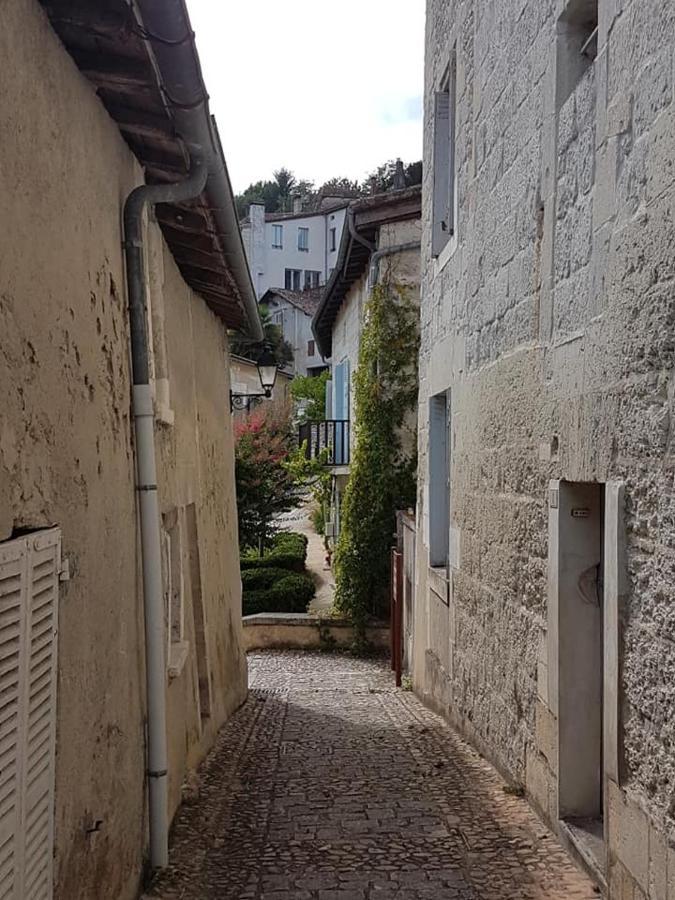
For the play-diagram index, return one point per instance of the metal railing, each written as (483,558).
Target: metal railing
(328,440)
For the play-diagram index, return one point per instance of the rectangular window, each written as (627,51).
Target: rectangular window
(173,578)
(577,45)
(303,238)
(312,279)
(332,239)
(439,479)
(278,236)
(292,279)
(311,348)
(444,168)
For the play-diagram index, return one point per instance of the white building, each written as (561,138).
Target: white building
(295,250)
(292,311)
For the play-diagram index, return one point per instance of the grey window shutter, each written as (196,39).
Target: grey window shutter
(441,171)
(439,465)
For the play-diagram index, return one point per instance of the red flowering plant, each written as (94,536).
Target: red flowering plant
(265,482)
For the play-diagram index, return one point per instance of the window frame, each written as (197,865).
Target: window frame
(444,198)
(290,279)
(439,431)
(277,233)
(303,231)
(314,279)
(332,235)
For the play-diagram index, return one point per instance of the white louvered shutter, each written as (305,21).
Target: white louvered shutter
(12,605)
(29,572)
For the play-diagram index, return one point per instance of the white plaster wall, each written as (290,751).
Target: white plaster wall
(268,264)
(66,451)
(297,328)
(551,323)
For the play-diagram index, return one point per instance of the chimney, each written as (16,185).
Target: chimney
(399,177)
(297,204)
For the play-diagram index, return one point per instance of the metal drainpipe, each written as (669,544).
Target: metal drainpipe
(354,233)
(374,272)
(148,501)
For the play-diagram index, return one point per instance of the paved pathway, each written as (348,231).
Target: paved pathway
(331,785)
(300,519)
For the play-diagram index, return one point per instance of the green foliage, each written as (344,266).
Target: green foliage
(265,487)
(382,477)
(282,351)
(382,179)
(291,593)
(319,519)
(310,392)
(287,550)
(277,193)
(261,578)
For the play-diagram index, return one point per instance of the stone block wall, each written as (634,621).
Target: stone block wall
(550,320)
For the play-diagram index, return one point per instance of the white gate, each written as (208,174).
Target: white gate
(29,578)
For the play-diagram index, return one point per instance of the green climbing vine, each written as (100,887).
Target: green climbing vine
(384,461)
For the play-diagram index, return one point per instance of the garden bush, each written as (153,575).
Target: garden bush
(261,579)
(288,550)
(290,594)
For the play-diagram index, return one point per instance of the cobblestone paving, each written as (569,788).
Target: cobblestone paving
(329,784)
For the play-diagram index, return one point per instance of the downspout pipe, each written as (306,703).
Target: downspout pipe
(146,486)
(351,225)
(374,271)
(167,27)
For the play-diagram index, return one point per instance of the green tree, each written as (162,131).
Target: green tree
(382,477)
(241,345)
(310,393)
(340,187)
(382,179)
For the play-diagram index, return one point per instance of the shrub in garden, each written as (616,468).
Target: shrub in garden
(289,594)
(288,550)
(261,579)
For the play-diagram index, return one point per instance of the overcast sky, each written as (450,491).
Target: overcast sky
(324,87)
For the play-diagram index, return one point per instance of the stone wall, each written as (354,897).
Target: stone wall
(66,451)
(550,320)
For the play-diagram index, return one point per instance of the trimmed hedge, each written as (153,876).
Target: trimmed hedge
(261,579)
(290,594)
(288,551)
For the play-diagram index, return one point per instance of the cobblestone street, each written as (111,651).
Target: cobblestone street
(330,784)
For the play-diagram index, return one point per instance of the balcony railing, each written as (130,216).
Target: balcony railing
(328,440)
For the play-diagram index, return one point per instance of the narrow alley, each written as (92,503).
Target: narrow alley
(331,784)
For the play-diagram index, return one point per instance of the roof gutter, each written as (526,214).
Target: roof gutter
(349,235)
(166,24)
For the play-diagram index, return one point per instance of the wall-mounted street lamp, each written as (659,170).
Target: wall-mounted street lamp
(267,372)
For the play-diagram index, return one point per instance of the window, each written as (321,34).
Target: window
(311,348)
(173,578)
(577,45)
(292,279)
(312,279)
(303,238)
(444,169)
(332,239)
(277,236)
(439,479)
